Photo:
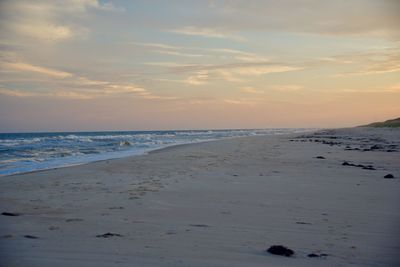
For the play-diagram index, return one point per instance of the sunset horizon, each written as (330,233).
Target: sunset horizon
(130,65)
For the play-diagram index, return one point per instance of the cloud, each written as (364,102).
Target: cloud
(82,93)
(389,90)
(251,90)
(261,70)
(25,67)
(45,32)
(232,51)
(200,100)
(206,32)
(242,68)
(238,72)
(283,88)
(158,45)
(337,60)
(64,84)
(47,21)
(175,53)
(370,71)
(200,74)
(85,81)
(168,49)
(242,101)
(83,5)
(199,78)
(187,51)
(337,18)
(395,88)
(287,87)
(166,64)
(69,91)
(16,93)
(242,55)
(377,61)
(228,76)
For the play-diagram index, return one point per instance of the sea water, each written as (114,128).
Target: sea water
(25,152)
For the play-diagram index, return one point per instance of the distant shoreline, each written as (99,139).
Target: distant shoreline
(63,162)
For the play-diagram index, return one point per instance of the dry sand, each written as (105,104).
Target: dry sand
(219,203)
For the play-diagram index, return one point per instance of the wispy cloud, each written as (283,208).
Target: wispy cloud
(67,85)
(287,87)
(166,64)
(242,55)
(199,74)
(335,18)
(201,77)
(261,70)
(175,53)
(203,74)
(82,93)
(251,90)
(375,61)
(25,67)
(339,60)
(241,101)
(16,93)
(242,68)
(68,91)
(369,71)
(83,5)
(190,51)
(46,32)
(206,32)
(157,45)
(395,88)
(168,49)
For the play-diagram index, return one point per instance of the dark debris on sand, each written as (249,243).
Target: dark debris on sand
(349,143)
(200,225)
(280,250)
(107,235)
(10,214)
(314,255)
(303,223)
(388,176)
(364,167)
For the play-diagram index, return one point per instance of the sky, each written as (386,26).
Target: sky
(86,65)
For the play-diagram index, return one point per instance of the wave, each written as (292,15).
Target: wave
(35,151)
(125,143)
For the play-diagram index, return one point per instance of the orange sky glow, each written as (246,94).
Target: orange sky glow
(84,65)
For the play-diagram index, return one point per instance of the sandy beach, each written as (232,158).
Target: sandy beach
(220,203)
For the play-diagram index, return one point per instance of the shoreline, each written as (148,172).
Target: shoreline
(145,152)
(215,203)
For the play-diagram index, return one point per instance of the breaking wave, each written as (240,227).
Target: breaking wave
(24,152)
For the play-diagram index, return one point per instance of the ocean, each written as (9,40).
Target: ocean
(25,152)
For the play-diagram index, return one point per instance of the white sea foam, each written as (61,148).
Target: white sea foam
(36,151)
